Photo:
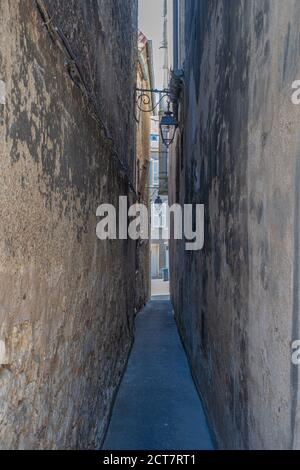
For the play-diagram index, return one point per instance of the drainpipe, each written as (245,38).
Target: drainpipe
(175,34)
(163,150)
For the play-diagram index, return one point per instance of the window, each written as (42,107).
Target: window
(155,173)
(154,138)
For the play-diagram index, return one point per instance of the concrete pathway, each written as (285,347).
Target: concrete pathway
(159,287)
(157,406)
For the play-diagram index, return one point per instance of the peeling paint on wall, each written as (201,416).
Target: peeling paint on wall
(2,353)
(2,92)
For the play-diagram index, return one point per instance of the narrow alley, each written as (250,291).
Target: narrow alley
(157,406)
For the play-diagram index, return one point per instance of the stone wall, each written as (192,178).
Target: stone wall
(145,80)
(237,151)
(66,298)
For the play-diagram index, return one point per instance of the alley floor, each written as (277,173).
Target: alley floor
(157,406)
(159,287)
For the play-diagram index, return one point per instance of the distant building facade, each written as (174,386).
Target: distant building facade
(159,228)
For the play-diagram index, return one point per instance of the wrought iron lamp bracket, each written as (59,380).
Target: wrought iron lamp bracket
(143,98)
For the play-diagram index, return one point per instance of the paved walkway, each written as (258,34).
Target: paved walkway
(159,287)
(157,406)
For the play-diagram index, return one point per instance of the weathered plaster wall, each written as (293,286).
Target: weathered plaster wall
(237,151)
(66,298)
(142,186)
(143,130)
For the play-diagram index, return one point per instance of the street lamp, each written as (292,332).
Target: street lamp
(168,123)
(158,204)
(168,126)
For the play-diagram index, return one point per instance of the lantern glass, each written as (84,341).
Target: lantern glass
(168,125)
(158,204)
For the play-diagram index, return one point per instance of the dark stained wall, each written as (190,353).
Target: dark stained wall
(237,151)
(67,299)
